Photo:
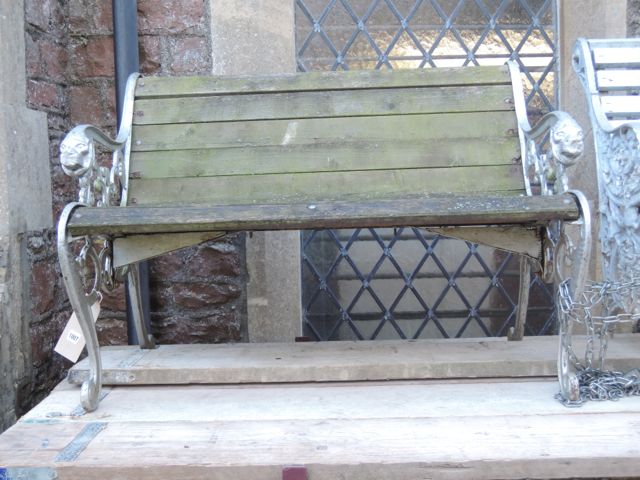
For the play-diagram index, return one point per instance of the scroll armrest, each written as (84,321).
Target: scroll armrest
(100,186)
(549,148)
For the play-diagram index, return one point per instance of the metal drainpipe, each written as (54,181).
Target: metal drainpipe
(125,40)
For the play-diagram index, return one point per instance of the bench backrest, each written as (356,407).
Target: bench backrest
(610,71)
(329,136)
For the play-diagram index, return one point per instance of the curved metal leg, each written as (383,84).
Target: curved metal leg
(517,332)
(81,304)
(145,339)
(569,384)
(571,265)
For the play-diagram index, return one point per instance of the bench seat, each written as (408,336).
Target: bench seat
(419,212)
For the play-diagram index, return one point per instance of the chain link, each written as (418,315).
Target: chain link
(596,309)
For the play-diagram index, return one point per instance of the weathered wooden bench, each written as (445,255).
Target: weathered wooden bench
(448,149)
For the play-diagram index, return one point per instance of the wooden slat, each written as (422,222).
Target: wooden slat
(345,361)
(305,187)
(322,104)
(153,87)
(324,158)
(627,106)
(619,57)
(393,128)
(350,401)
(612,80)
(381,213)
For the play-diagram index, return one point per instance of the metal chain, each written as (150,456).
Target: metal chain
(594,310)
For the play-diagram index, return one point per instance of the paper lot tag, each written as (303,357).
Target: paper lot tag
(72,341)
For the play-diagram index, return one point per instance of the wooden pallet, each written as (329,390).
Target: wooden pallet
(500,428)
(396,430)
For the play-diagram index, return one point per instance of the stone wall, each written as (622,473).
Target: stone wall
(633,18)
(25,205)
(198,294)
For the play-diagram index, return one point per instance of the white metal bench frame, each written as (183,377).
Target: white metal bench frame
(610,74)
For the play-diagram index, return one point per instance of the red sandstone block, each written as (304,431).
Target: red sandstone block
(93,58)
(103,17)
(79,17)
(86,105)
(112,331)
(171,16)
(212,260)
(201,295)
(43,95)
(37,13)
(168,267)
(110,99)
(54,60)
(115,301)
(177,327)
(57,19)
(43,278)
(150,54)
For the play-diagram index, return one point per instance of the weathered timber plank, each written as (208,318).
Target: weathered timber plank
(153,87)
(618,57)
(346,400)
(319,186)
(393,128)
(322,104)
(379,213)
(611,80)
(343,361)
(621,106)
(341,157)
(520,239)
(135,248)
(471,448)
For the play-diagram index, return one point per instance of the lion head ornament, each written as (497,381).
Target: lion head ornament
(567,141)
(76,154)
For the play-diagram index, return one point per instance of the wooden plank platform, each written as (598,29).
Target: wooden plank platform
(235,421)
(343,361)
(467,430)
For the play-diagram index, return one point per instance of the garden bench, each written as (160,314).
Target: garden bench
(197,157)
(609,71)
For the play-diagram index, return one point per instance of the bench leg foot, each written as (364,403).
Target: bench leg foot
(81,302)
(567,377)
(145,339)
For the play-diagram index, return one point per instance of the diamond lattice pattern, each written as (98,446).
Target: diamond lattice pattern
(407,283)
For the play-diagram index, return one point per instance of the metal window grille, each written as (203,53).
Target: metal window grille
(406,283)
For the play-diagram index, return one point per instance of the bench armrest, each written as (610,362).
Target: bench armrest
(549,148)
(100,186)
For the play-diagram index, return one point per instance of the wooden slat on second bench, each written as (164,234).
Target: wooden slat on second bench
(381,213)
